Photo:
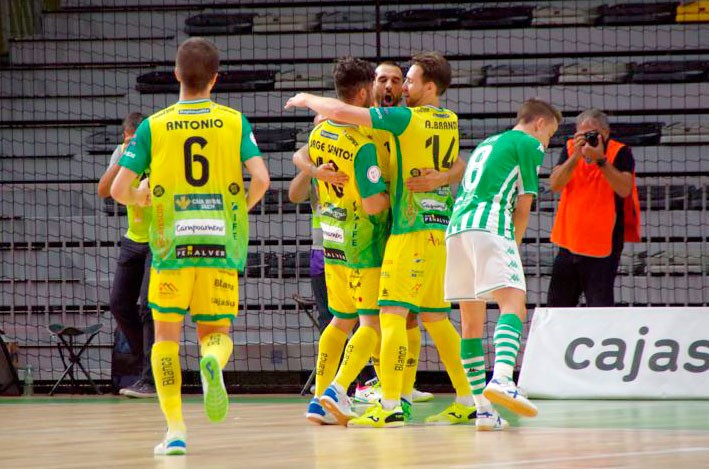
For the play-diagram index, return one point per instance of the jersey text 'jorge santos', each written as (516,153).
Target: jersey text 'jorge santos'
(500,169)
(424,137)
(350,236)
(195,151)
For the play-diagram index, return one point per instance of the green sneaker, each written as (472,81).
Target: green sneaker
(407,410)
(454,414)
(378,417)
(216,400)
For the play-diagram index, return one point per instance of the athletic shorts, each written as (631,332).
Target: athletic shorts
(351,292)
(210,295)
(412,272)
(480,263)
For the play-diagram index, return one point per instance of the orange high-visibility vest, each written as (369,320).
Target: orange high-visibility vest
(586,216)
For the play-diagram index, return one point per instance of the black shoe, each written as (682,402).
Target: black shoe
(140,389)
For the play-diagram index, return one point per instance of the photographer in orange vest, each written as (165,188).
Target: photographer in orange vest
(598,211)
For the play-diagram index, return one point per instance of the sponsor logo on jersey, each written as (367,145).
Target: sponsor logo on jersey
(330,135)
(331,233)
(430,204)
(185,202)
(200,251)
(200,227)
(158,191)
(441,115)
(129,154)
(195,111)
(252,137)
(351,139)
(337,213)
(219,283)
(374,174)
(432,219)
(335,254)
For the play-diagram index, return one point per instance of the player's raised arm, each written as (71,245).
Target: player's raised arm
(332,108)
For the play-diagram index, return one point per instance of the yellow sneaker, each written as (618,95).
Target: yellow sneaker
(378,417)
(454,414)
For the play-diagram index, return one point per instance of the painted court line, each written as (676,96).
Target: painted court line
(517,463)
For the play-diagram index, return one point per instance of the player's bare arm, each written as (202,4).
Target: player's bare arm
(123,192)
(331,108)
(260,180)
(104,184)
(520,216)
(431,179)
(299,188)
(325,172)
(376,203)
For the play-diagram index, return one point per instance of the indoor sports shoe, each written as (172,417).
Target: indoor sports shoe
(378,417)
(421,396)
(317,415)
(454,414)
(174,444)
(370,393)
(139,389)
(407,409)
(216,400)
(506,394)
(488,420)
(338,404)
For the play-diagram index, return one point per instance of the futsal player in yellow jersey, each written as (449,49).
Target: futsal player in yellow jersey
(426,142)
(195,150)
(354,220)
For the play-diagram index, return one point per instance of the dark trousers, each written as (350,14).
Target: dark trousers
(129,301)
(573,274)
(317,283)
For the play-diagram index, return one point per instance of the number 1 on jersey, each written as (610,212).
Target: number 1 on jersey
(434,142)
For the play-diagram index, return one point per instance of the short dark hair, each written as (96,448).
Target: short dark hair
(351,75)
(198,61)
(435,68)
(132,121)
(392,64)
(536,108)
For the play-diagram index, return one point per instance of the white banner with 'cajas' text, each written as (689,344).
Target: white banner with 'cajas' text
(611,353)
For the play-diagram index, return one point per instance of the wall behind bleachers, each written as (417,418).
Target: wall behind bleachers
(65,88)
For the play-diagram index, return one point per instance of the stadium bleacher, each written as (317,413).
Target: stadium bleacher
(65,88)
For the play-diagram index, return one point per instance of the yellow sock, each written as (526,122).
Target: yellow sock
(165,360)
(357,352)
(219,345)
(393,355)
(447,342)
(412,360)
(332,341)
(376,357)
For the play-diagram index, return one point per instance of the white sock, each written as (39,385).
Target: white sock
(389,404)
(467,401)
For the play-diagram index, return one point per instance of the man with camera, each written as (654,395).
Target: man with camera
(598,211)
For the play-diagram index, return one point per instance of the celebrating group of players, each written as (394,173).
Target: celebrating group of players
(388,219)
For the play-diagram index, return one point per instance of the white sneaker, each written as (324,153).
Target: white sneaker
(318,415)
(421,396)
(370,393)
(174,444)
(487,420)
(338,404)
(506,394)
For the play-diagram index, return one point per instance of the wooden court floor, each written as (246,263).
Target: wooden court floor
(270,432)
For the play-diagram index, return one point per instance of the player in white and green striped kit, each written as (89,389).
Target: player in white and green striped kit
(489,219)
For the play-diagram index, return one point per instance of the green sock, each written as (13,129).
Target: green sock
(473,357)
(507,339)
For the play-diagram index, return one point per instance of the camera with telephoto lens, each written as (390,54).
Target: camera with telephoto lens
(591,138)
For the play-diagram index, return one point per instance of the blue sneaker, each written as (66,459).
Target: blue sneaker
(338,404)
(174,444)
(317,415)
(509,396)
